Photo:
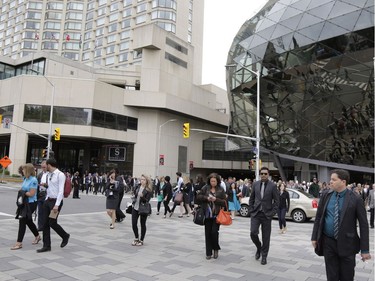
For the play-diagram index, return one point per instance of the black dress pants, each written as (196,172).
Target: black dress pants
(29,222)
(51,223)
(135,216)
(211,232)
(337,268)
(258,220)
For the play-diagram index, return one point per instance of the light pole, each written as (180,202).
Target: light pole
(257,152)
(159,141)
(49,143)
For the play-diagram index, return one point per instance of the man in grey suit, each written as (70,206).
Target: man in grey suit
(263,203)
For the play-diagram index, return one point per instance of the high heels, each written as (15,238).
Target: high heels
(36,240)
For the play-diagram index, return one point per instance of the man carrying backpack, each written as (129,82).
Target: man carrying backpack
(52,206)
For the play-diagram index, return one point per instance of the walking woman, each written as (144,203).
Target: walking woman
(159,193)
(233,203)
(29,187)
(142,194)
(212,197)
(187,189)
(283,207)
(167,195)
(113,187)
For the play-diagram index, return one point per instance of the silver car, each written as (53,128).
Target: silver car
(303,206)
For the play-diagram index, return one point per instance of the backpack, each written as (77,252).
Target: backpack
(67,186)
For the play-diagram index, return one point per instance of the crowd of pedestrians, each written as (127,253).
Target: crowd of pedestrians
(43,193)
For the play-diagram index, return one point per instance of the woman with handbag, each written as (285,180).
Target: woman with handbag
(29,187)
(142,196)
(112,194)
(212,198)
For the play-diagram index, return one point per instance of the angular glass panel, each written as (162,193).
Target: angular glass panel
(301,5)
(259,50)
(365,20)
(266,34)
(275,17)
(314,4)
(290,12)
(285,2)
(280,30)
(341,8)
(369,3)
(321,11)
(246,43)
(257,41)
(308,20)
(292,22)
(358,3)
(330,30)
(312,32)
(346,21)
(300,40)
(266,23)
(276,7)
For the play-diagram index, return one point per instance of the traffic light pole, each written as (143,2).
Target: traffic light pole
(28,131)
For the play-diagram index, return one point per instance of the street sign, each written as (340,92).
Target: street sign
(5,161)
(116,153)
(161,160)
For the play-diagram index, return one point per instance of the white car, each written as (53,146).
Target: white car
(303,206)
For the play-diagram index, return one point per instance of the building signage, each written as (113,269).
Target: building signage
(116,153)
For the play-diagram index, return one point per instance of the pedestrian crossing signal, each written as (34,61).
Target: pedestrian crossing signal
(44,153)
(186,130)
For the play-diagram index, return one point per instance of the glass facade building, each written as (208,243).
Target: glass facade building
(315,59)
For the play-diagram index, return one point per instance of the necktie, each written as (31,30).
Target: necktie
(262,190)
(336,218)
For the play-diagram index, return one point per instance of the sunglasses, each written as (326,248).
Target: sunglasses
(264,174)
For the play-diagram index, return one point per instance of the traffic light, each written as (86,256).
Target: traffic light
(186,130)
(44,153)
(57,134)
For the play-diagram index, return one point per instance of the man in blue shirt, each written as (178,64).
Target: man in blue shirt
(335,233)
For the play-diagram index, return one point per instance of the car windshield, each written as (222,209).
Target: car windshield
(303,192)
(306,194)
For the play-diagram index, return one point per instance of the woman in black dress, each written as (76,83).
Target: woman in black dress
(112,193)
(167,195)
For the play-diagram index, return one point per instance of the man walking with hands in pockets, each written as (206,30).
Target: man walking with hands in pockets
(263,203)
(52,206)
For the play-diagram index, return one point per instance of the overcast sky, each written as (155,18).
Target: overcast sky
(222,21)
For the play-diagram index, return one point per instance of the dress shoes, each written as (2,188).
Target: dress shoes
(216,254)
(208,257)
(65,241)
(257,254)
(44,249)
(263,261)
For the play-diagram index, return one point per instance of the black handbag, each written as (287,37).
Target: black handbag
(144,208)
(199,216)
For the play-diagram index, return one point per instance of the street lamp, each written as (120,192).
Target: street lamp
(159,141)
(49,143)
(257,152)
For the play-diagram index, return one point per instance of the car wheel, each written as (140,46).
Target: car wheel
(244,211)
(298,216)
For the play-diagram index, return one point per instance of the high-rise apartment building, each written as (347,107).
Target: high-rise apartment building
(96,32)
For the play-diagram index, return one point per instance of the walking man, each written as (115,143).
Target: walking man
(52,206)
(335,233)
(263,203)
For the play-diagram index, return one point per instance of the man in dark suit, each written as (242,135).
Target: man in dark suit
(263,203)
(335,228)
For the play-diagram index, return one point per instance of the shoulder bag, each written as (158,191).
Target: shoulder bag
(178,198)
(199,216)
(223,217)
(144,208)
